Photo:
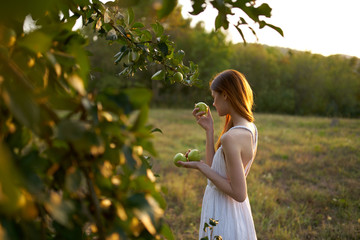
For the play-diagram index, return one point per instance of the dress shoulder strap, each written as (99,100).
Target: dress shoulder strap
(254,135)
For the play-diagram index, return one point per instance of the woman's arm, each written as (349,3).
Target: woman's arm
(232,147)
(210,150)
(207,123)
(235,185)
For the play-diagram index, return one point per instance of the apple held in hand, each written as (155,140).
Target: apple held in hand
(179,157)
(194,155)
(202,107)
(190,155)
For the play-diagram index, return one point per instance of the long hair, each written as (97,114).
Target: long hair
(240,95)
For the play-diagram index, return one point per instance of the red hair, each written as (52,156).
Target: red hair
(239,93)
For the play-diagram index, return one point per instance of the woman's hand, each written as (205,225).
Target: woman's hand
(191,164)
(205,120)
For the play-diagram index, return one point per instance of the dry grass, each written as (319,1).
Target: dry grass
(304,183)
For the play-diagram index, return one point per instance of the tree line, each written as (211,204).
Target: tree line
(284,80)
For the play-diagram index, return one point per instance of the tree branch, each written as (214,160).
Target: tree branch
(95,202)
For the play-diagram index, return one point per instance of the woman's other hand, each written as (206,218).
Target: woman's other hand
(205,120)
(191,164)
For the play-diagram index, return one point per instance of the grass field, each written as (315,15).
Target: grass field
(304,183)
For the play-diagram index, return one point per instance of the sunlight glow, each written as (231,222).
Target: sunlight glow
(324,26)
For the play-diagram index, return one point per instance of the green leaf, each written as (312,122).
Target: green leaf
(251,12)
(115,101)
(77,83)
(59,208)
(146,36)
(166,232)
(264,9)
(167,7)
(198,7)
(241,34)
(163,48)
(138,96)
(279,30)
(137,25)
(21,103)
(18,10)
(206,225)
(70,130)
(158,29)
(221,21)
(141,118)
(74,180)
(218,4)
(81,56)
(123,48)
(253,31)
(213,222)
(9,179)
(262,24)
(36,41)
(159,75)
(156,130)
(20,138)
(120,55)
(130,161)
(148,146)
(130,16)
(62,102)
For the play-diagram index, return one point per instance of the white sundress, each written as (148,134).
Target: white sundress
(235,218)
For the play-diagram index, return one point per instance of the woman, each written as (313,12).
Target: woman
(225,197)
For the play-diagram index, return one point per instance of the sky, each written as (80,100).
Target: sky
(324,27)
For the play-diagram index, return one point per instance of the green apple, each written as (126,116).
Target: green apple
(178,77)
(181,52)
(194,155)
(202,107)
(133,56)
(179,157)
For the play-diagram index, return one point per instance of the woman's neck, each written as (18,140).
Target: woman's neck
(238,120)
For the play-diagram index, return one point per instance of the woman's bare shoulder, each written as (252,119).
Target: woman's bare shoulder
(238,136)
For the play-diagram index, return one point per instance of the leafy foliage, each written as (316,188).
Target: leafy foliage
(249,7)
(75,162)
(283,80)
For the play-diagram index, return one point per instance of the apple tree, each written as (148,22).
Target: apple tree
(76,163)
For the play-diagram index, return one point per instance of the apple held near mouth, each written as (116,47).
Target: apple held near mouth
(194,155)
(202,107)
(179,157)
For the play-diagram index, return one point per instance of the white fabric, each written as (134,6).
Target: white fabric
(235,218)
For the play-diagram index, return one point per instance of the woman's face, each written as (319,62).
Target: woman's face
(220,103)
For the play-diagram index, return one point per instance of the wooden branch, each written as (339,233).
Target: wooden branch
(95,202)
